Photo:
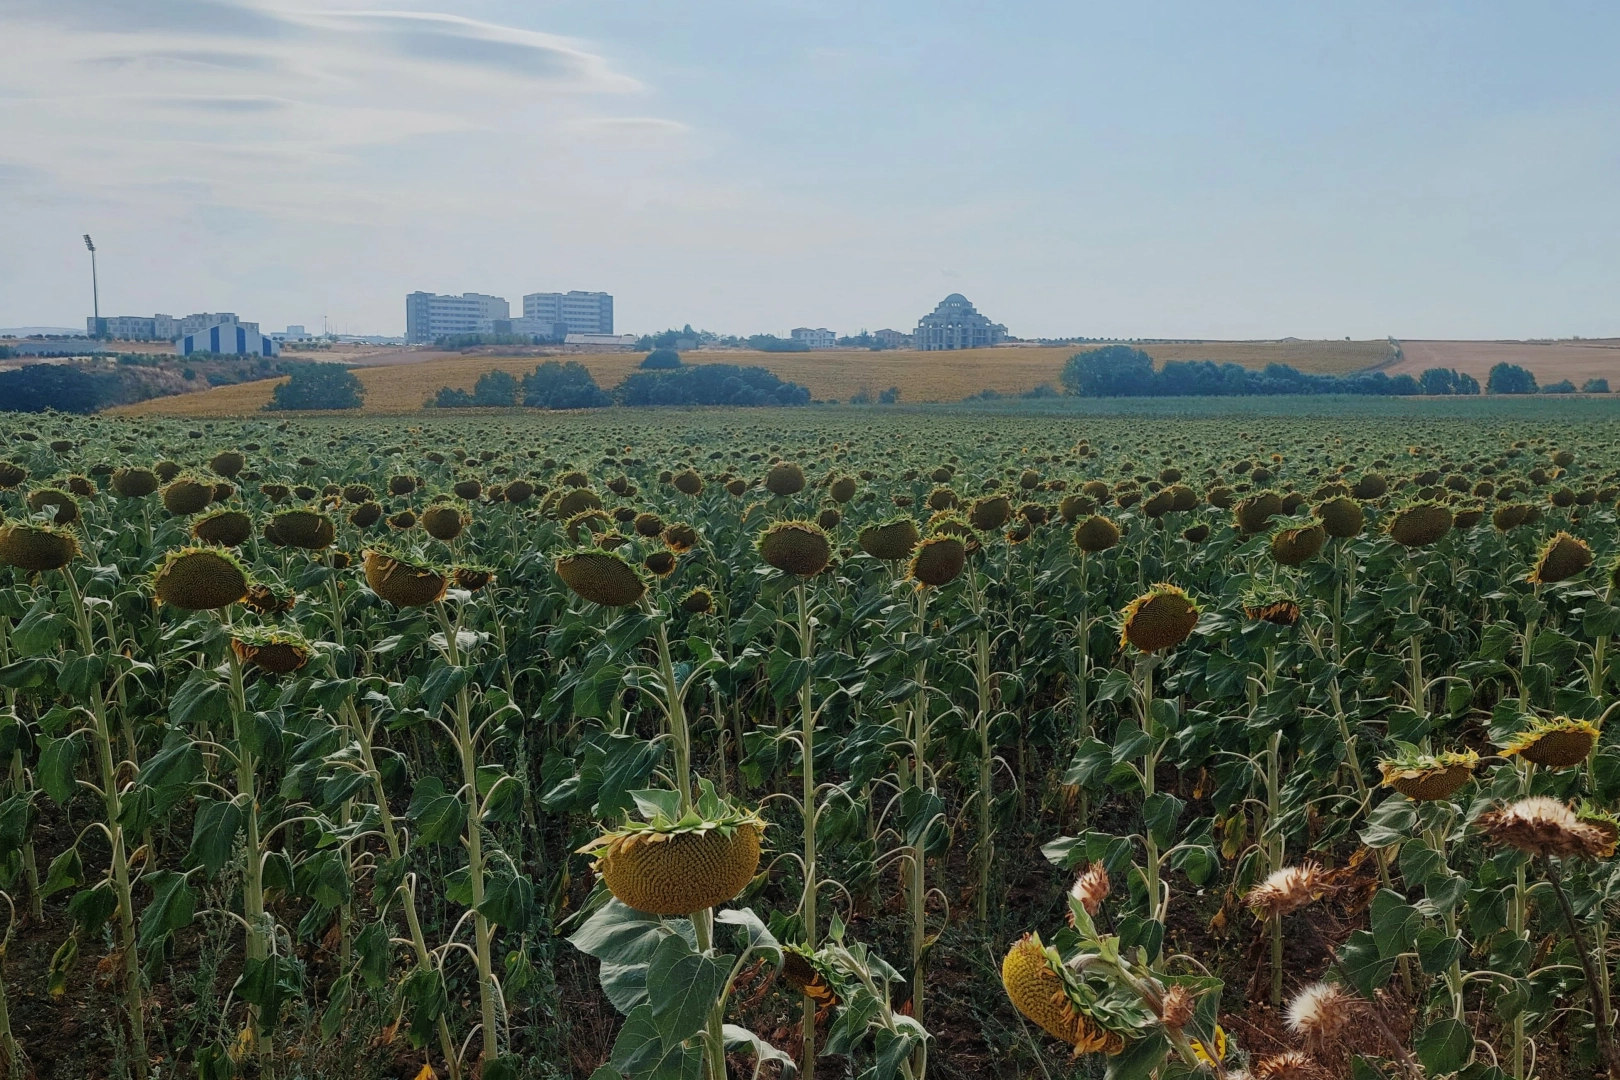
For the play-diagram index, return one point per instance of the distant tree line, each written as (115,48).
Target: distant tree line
(316,385)
(1123,371)
(556,384)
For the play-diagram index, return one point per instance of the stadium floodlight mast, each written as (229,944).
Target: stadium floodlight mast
(95,288)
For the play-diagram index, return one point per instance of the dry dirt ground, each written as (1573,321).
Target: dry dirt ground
(401,380)
(1550,361)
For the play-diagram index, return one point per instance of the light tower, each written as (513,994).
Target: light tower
(95,288)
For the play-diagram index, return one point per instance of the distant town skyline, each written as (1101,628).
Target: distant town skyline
(1250,170)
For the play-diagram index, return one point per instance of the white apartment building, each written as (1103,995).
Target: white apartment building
(136,327)
(430,316)
(819,338)
(580,312)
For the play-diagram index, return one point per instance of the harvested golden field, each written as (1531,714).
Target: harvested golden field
(1550,361)
(395,386)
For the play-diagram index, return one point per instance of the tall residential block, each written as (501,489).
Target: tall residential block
(581,312)
(430,316)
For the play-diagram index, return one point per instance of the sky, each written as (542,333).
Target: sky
(1155,169)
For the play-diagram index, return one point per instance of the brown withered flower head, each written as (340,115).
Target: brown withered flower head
(1543,826)
(1289,889)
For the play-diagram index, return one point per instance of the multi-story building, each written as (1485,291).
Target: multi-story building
(193,324)
(231,338)
(954,324)
(819,338)
(580,312)
(135,327)
(892,339)
(430,316)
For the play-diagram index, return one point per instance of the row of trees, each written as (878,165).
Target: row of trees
(556,384)
(1123,371)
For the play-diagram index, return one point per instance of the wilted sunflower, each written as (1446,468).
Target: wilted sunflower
(1095,534)
(795,547)
(1542,826)
(1159,619)
(1561,558)
(1420,524)
(276,652)
(660,564)
(1038,986)
(677,868)
(401,581)
(1558,743)
(133,483)
(938,561)
(1428,777)
(601,577)
(784,478)
(37,548)
(1286,890)
(1322,1012)
(1090,888)
(227,528)
(444,521)
(699,601)
(63,506)
(263,600)
(890,540)
(1295,547)
(1277,611)
(680,537)
(185,496)
(688,482)
(1252,514)
(472,578)
(308,529)
(990,512)
(200,579)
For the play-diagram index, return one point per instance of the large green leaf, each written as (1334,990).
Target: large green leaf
(682,986)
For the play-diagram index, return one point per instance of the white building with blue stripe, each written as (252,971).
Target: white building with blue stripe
(230,339)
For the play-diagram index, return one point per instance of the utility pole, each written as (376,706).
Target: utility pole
(95,288)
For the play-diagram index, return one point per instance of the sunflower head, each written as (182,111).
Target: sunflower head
(1539,825)
(1159,619)
(1428,777)
(1561,558)
(1557,743)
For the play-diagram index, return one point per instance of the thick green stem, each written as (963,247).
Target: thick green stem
(475,846)
(807,728)
(133,1003)
(981,680)
(1600,1011)
(252,858)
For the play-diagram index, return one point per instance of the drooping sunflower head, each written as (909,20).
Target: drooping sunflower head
(1286,890)
(1561,558)
(275,652)
(890,540)
(1039,987)
(601,577)
(1297,546)
(37,547)
(1159,619)
(799,548)
(1556,743)
(938,560)
(1539,825)
(1428,777)
(1420,524)
(1095,534)
(200,579)
(403,581)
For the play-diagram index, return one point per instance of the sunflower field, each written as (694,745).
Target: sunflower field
(835,743)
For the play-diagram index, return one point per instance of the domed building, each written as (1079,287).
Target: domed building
(955,324)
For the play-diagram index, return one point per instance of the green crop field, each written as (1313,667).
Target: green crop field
(1145,739)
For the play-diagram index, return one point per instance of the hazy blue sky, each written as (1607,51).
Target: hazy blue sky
(1232,169)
